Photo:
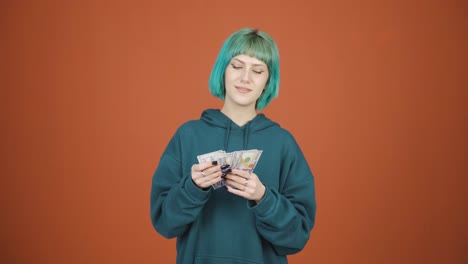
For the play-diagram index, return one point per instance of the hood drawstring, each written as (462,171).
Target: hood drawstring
(228,133)
(246,135)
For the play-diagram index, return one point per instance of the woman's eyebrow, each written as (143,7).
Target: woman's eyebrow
(259,64)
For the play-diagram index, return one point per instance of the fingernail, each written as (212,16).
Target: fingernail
(214,162)
(225,169)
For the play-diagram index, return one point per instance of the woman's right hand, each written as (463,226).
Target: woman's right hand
(206,174)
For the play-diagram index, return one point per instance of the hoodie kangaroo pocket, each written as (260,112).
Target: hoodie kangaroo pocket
(222,260)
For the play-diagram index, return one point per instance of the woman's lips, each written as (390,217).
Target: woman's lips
(241,89)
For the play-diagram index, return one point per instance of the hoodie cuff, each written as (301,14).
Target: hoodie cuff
(195,193)
(265,206)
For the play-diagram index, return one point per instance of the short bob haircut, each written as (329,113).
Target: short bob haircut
(253,43)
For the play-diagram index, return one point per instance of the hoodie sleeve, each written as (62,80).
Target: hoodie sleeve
(175,200)
(286,217)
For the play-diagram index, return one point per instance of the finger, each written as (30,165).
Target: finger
(208,183)
(203,166)
(213,175)
(242,173)
(200,167)
(205,175)
(211,170)
(237,192)
(237,185)
(236,178)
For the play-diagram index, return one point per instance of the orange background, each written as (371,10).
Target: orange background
(92,91)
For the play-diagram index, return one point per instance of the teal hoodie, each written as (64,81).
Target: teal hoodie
(218,227)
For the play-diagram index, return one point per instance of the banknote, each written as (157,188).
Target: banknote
(242,160)
(247,159)
(212,156)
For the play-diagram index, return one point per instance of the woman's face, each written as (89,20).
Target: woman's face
(245,78)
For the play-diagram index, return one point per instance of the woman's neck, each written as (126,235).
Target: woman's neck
(239,115)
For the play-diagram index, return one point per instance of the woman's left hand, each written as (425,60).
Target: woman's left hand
(245,184)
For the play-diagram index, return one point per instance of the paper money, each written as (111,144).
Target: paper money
(212,156)
(242,160)
(248,160)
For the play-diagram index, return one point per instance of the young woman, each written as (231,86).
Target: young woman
(257,217)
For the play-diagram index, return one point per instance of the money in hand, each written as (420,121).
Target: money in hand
(242,160)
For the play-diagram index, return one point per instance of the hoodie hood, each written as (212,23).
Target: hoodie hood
(215,117)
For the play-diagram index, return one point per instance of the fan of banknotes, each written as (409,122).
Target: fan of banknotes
(242,160)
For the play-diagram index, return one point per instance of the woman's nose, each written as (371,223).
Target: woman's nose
(246,76)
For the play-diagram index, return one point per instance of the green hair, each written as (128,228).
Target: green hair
(253,43)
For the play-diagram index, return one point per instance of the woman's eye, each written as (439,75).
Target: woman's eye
(236,66)
(258,72)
